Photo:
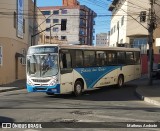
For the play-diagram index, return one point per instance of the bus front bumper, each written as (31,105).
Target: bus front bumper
(48,89)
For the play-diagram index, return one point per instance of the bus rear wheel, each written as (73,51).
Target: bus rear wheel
(120,82)
(78,87)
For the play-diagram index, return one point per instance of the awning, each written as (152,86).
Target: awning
(18,55)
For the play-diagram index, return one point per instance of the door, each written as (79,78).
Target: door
(66,77)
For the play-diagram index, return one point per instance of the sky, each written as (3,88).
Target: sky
(98,6)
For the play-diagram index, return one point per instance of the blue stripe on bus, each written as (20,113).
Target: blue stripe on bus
(44,88)
(93,75)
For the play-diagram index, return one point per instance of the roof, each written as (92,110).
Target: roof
(66,46)
(59,7)
(111,7)
(66,7)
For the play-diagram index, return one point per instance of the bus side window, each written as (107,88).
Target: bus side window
(100,58)
(89,58)
(65,60)
(79,58)
(121,57)
(130,58)
(137,57)
(112,58)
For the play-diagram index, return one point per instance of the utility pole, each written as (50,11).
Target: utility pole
(33,39)
(150,42)
(50,33)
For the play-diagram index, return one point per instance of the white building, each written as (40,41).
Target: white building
(127,25)
(102,39)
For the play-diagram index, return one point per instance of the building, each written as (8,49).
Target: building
(40,25)
(70,23)
(16,24)
(102,39)
(129,23)
(156,45)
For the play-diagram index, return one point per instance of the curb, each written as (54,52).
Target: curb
(146,99)
(12,89)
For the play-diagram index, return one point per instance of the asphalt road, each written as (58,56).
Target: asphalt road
(107,104)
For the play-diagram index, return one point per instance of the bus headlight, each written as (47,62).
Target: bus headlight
(29,82)
(53,81)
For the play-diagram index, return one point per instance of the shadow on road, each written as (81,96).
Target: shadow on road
(5,120)
(110,93)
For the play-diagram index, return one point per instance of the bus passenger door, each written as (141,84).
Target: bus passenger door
(66,72)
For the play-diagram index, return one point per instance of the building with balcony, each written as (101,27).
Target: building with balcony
(16,24)
(70,23)
(102,39)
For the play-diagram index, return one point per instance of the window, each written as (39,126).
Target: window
(121,41)
(55,37)
(65,59)
(122,20)
(130,58)
(46,12)
(114,29)
(89,58)
(112,58)
(63,37)
(1,57)
(56,12)
(23,25)
(47,37)
(55,29)
(64,12)
(48,20)
(121,57)
(15,20)
(137,57)
(101,58)
(55,20)
(111,31)
(118,25)
(143,16)
(63,24)
(23,59)
(48,29)
(79,58)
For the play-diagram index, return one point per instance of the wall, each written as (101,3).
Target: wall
(117,15)
(134,26)
(10,43)
(7,70)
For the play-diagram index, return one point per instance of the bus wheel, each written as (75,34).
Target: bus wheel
(78,86)
(120,81)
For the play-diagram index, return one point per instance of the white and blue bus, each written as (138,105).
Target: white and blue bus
(59,69)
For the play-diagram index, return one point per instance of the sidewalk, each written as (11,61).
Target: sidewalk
(16,85)
(150,94)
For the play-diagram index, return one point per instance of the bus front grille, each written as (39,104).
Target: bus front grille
(40,89)
(41,80)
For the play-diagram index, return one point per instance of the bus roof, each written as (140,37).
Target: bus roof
(97,47)
(86,47)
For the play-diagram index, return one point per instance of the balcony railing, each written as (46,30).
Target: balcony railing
(94,22)
(82,33)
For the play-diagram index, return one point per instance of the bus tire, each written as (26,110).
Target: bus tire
(120,82)
(78,87)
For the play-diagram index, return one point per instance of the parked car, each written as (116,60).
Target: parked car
(156,72)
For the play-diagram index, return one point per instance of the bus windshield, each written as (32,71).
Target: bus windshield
(42,65)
